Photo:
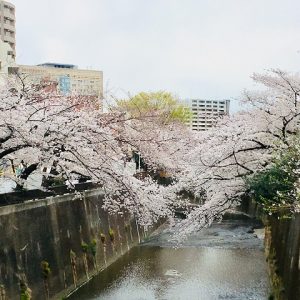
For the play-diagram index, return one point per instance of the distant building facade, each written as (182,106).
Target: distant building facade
(6,60)
(68,78)
(8,25)
(206,112)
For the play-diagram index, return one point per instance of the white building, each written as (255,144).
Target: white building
(8,25)
(6,60)
(206,112)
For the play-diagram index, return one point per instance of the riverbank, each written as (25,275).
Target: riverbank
(225,261)
(283,254)
(54,245)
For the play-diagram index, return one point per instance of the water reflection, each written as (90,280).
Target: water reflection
(185,273)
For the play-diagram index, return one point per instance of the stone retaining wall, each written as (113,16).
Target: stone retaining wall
(56,244)
(282,241)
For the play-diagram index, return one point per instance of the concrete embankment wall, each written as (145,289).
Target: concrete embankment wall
(72,234)
(283,254)
(282,245)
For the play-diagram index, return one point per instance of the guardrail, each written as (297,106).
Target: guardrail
(26,195)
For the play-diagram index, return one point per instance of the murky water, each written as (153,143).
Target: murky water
(223,262)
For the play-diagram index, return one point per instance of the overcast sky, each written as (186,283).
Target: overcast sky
(193,48)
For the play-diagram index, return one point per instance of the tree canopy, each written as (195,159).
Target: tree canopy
(277,185)
(241,146)
(43,129)
(162,103)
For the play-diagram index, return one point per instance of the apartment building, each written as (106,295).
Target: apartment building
(8,25)
(206,112)
(6,60)
(68,79)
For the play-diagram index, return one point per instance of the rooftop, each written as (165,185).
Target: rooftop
(57,65)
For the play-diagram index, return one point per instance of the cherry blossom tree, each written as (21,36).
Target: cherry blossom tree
(42,128)
(240,146)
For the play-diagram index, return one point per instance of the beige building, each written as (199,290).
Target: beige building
(8,24)
(6,60)
(206,112)
(68,78)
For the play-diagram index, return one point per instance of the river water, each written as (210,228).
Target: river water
(225,261)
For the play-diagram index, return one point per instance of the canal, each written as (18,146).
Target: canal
(225,261)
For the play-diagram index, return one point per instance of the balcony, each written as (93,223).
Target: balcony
(9,14)
(10,39)
(9,27)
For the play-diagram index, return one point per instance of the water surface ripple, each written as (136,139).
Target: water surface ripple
(225,261)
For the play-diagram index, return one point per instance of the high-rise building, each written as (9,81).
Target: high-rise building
(8,25)
(6,60)
(67,78)
(206,112)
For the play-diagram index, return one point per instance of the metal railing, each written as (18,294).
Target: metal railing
(26,195)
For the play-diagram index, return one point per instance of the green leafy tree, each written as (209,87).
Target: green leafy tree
(278,184)
(159,103)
